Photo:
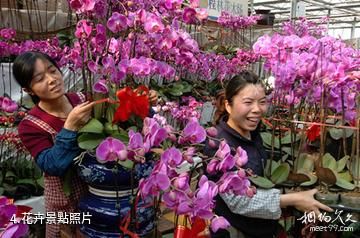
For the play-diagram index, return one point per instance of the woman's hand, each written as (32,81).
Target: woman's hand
(304,201)
(79,116)
(153,97)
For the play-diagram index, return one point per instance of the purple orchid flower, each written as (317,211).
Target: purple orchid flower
(223,151)
(189,15)
(172,157)
(101,87)
(135,147)
(83,29)
(153,24)
(241,157)
(8,105)
(193,133)
(117,22)
(15,230)
(111,149)
(219,223)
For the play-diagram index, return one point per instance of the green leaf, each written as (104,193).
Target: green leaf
(89,141)
(344,184)
(350,232)
(287,150)
(10,174)
(2,190)
(123,136)
(304,162)
(40,181)
(261,182)
(111,128)
(329,162)
(342,163)
(337,133)
(127,164)
(345,176)
(26,181)
(313,178)
(274,165)
(187,87)
(266,137)
(93,126)
(280,174)
(287,138)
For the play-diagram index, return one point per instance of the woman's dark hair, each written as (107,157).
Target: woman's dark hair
(234,86)
(24,66)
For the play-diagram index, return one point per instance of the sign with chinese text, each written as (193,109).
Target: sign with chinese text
(234,7)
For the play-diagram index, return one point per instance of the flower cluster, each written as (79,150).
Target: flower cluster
(8,47)
(7,34)
(305,66)
(12,140)
(7,212)
(174,185)
(235,22)
(189,108)
(139,144)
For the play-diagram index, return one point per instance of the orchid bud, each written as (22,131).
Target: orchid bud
(212,143)
(211,131)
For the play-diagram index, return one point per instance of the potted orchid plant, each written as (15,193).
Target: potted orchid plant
(121,49)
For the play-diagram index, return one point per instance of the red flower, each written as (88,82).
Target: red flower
(313,132)
(132,102)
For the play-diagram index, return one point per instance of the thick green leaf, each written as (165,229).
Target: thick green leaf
(329,162)
(311,176)
(127,164)
(89,141)
(93,126)
(337,133)
(40,181)
(123,136)
(281,173)
(287,150)
(26,181)
(10,174)
(345,184)
(261,182)
(187,87)
(304,162)
(274,166)
(266,137)
(287,139)
(176,89)
(111,128)
(345,176)
(342,163)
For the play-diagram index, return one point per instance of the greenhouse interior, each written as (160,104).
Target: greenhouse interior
(180,118)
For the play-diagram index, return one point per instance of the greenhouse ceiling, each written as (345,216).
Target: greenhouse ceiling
(344,15)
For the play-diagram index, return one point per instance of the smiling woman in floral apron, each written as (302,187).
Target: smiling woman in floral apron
(49,130)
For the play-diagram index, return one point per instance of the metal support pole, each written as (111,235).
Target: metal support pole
(352,35)
(252,7)
(328,23)
(293,9)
